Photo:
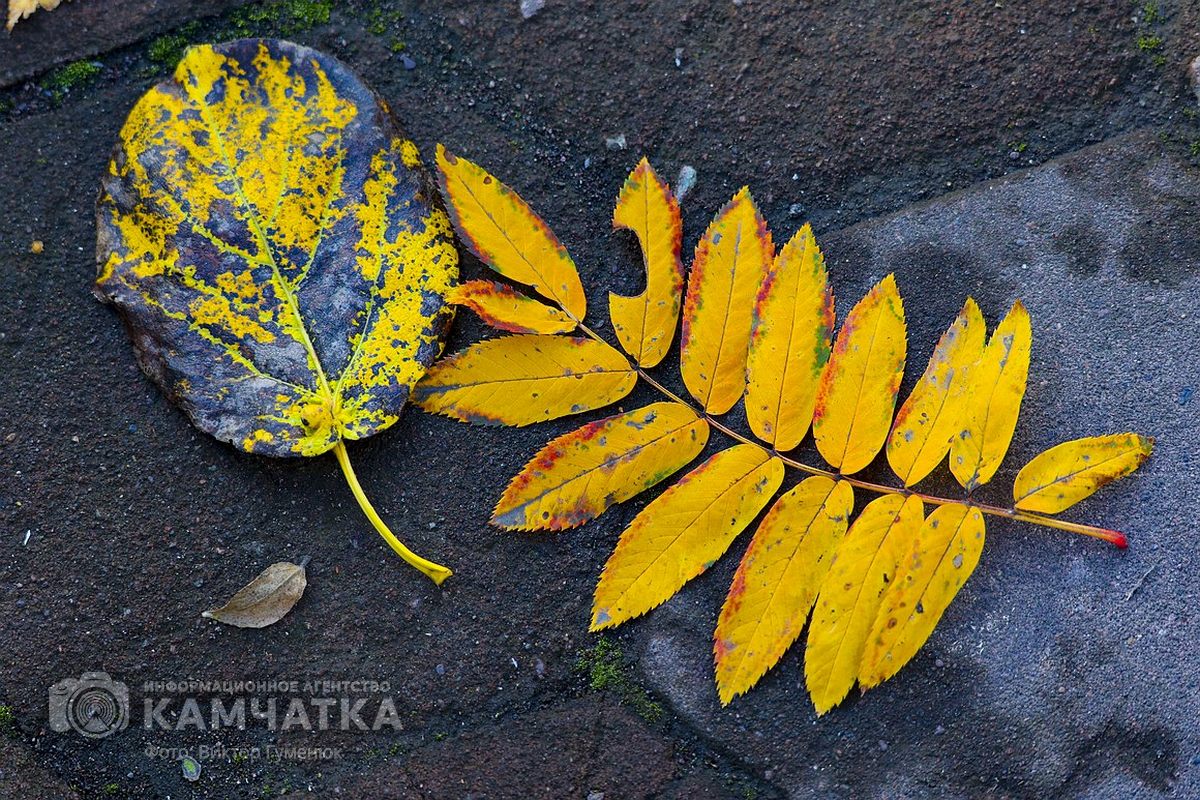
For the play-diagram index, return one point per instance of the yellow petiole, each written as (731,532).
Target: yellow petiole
(436,572)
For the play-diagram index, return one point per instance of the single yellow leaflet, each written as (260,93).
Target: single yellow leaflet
(849,599)
(683,531)
(645,323)
(789,346)
(580,474)
(1060,477)
(731,262)
(933,413)
(996,386)
(506,309)
(777,581)
(857,393)
(503,232)
(525,378)
(20,9)
(941,559)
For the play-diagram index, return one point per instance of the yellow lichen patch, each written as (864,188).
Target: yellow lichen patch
(217,311)
(409,154)
(411,269)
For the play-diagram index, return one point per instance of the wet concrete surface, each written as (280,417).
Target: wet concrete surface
(121,523)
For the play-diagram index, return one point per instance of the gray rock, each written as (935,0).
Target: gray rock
(1066,688)
(685,182)
(531,7)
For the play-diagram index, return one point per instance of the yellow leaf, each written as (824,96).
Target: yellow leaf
(731,262)
(858,389)
(996,386)
(506,309)
(525,378)
(280,265)
(1072,471)
(276,254)
(683,531)
(503,232)
(933,413)
(846,607)
(941,559)
(789,346)
(580,474)
(20,9)
(777,581)
(645,323)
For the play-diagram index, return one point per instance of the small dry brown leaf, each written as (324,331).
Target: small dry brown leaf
(264,600)
(20,9)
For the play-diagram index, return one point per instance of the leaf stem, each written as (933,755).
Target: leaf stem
(436,572)
(1112,537)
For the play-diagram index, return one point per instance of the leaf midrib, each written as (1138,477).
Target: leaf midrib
(1076,473)
(255,226)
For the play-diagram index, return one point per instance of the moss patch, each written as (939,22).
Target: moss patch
(75,75)
(281,17)
(167,50)
(607,670)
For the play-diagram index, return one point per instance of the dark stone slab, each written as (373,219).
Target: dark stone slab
(121,522)
(85,28)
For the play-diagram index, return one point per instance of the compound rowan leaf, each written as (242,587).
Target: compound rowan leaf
(777,581)
(942,557)
(731,262)
(506,309)
(993,402)
(857,393)
(580,474)
(933,413)
(525,378)
(645,323)
(789,345)
(264,600)
(271,244)
(683,531)
(1069,472)
(846,607)
(269,238)
(503,232)
(20,9)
